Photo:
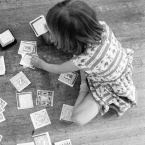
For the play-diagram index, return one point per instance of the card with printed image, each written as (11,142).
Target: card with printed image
(6,38)
(2,105)
(66,113)
(68,78)
(24,100)
(40,118)
(28,47)
(44,97)
(29,143)
(20,81)
(42,139)
(26,61)
(2,117)
(2,65)
(39,25)
(64,142)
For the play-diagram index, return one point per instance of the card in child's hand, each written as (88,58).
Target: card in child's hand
(29,143)
(24,100)
(2,65)
(66,113)
(39,26)
(64,142)
(44,97)
(28,47)
(20,81)
(26,61)
(40,118)
(2,117)
(6,38)
(42,139)
(1,138)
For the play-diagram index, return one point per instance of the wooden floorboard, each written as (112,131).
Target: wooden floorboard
(127,20)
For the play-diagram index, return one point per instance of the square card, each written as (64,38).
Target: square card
(28,47)
(39,26)
(45,97)
(64,142)
(6,38)
(29,143)
(24,100)
(1,138)
(42,139)
(20,81)
(2,65)
(26,61)
(2,117)
(68,78)
(40,118)
(2,105)
(66,113)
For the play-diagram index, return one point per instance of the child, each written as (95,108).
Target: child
(105,67)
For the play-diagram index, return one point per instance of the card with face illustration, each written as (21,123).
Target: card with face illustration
(20,81)
(39,26)
(40,118)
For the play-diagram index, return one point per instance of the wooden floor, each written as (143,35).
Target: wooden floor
(127,19)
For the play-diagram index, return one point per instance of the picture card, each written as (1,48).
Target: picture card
(6,38)
(39,26)
(42,139)
(68,78)
(26,61)
(24,100)
(29,143)
(40,118)
(2,104)
(64,142)
(44,97)
(2,117)
(2,65)
(66,113)
(20,81)
(28,47)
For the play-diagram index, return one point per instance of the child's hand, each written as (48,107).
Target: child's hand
(37,62)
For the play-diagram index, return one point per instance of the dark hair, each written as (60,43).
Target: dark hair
(74,24)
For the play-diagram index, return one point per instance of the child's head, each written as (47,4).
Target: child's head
(74,25)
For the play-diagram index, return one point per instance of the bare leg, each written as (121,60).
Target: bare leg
(85,111)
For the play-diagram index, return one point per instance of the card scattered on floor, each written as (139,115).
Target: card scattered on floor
(6,38)
(40,119)
(39,26)
(2,117)
(20,81)
(44,97)
(64,142)
(66,113)
(29,143)
(2,65)
(42,139)
(24,100)
(1,138)
(68,78)
(2,109)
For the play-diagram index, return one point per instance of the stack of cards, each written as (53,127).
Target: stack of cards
(40,119)
(29,143)
(44,97)
(1,138)
(2,65)
(42,139)
(6,38)
(24,100)
(66,113)
(2,109)
(20,81)
(68,78)
(64,142)
(39,26)
(26,49)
